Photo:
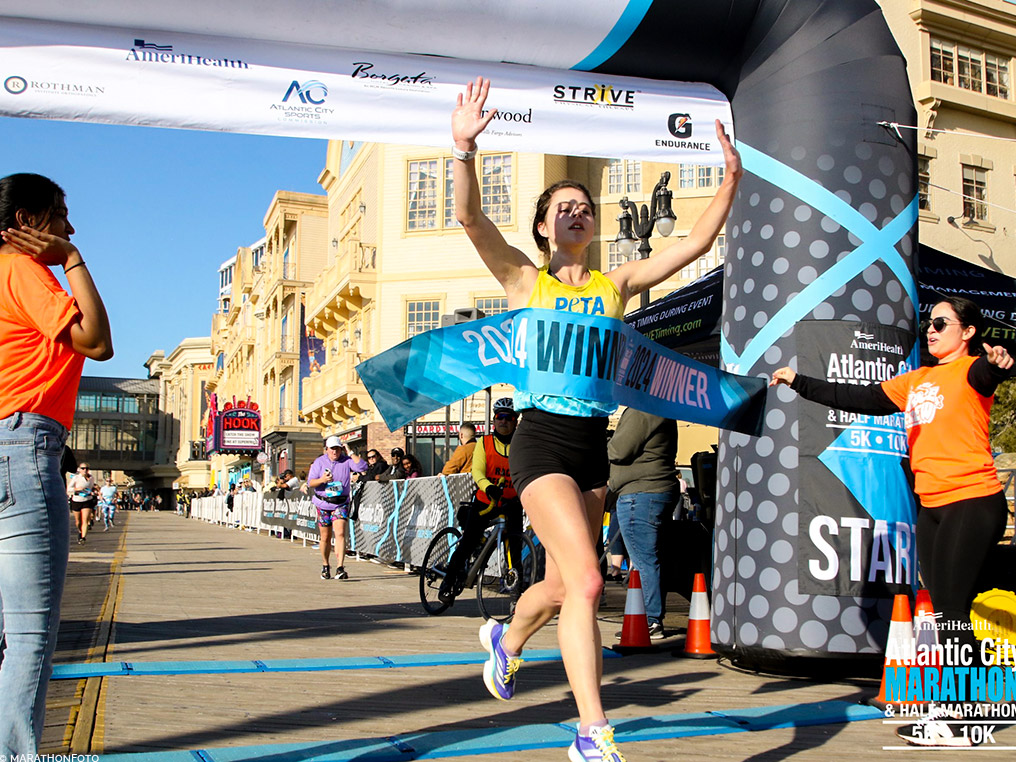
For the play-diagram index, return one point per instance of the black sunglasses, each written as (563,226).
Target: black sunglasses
(939,324)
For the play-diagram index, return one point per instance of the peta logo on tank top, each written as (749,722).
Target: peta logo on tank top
(590,305)
(922,403)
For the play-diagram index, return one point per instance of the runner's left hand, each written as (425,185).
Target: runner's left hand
(998,356)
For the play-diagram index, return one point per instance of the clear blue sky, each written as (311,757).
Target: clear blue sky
(156,212)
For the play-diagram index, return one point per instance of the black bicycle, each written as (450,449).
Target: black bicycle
(494,570)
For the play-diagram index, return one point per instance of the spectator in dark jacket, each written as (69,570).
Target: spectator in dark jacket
(395,470)
(376,465)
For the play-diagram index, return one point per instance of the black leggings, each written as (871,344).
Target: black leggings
(953,542)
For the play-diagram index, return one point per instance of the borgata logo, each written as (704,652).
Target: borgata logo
(365,70)
(311,91)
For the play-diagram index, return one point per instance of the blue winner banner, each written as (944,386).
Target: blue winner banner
(560,353)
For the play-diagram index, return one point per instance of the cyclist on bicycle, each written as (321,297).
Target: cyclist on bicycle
(494,496)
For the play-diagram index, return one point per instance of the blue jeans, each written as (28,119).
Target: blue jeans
(640,515)
(34,539)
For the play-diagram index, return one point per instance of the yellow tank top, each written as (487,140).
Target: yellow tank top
(599,296)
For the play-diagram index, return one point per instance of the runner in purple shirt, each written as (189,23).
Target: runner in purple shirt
(329,480)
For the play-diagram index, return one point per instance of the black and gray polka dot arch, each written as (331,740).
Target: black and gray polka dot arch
(823,229)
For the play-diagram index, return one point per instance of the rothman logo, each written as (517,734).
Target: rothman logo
(16,85)
(604,96)
(152,52)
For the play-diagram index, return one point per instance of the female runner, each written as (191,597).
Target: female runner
(558,457)
(963,509)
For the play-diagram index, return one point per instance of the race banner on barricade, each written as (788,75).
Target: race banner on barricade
(587,356)
(172,79)
(397,520)
(371,533)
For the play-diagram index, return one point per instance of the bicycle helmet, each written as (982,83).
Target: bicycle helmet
(504,404)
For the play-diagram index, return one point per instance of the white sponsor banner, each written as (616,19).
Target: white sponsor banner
(167,79)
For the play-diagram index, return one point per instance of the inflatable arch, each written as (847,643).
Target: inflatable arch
(813,516)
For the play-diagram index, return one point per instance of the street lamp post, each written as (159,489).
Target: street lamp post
(632,229)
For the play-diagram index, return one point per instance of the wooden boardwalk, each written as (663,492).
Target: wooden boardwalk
(167,589)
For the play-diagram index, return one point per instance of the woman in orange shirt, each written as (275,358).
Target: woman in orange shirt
(45,335)
(946,408)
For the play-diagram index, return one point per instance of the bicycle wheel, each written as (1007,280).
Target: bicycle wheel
(432,573)
(505,578)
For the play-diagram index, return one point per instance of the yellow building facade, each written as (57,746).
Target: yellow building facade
(183,377)
(257,332)
(398,262)
(960,59)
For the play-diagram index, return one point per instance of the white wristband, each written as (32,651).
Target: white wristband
(463,155)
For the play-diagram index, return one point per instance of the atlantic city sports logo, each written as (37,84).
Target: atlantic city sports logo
(15,85)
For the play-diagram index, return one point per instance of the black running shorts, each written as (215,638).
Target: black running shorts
(548,443)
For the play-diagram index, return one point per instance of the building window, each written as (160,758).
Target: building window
(615,258)
(430,210)
(496,187)
(923,183)
(687,176)
(624,176)
(975,193)
(996,76)
(721,248)
(493,305)
(422,209)
(422,316)
(942,62)
(970,68)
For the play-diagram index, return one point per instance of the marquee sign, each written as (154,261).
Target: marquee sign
(236,429)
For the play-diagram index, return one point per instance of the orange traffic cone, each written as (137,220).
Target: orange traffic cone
(696,643)
(899,650)
(635,630)
(926,636)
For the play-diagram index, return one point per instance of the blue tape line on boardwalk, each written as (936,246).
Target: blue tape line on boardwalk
(149,668)
(480,741)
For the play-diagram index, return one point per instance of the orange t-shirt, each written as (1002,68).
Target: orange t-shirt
(39,373)
(947,428)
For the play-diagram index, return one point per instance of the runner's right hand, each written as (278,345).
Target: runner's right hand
(468,118)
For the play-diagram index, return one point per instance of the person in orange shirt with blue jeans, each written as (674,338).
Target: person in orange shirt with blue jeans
(45,336)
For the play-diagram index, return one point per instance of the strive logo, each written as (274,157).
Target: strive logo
(606,96)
